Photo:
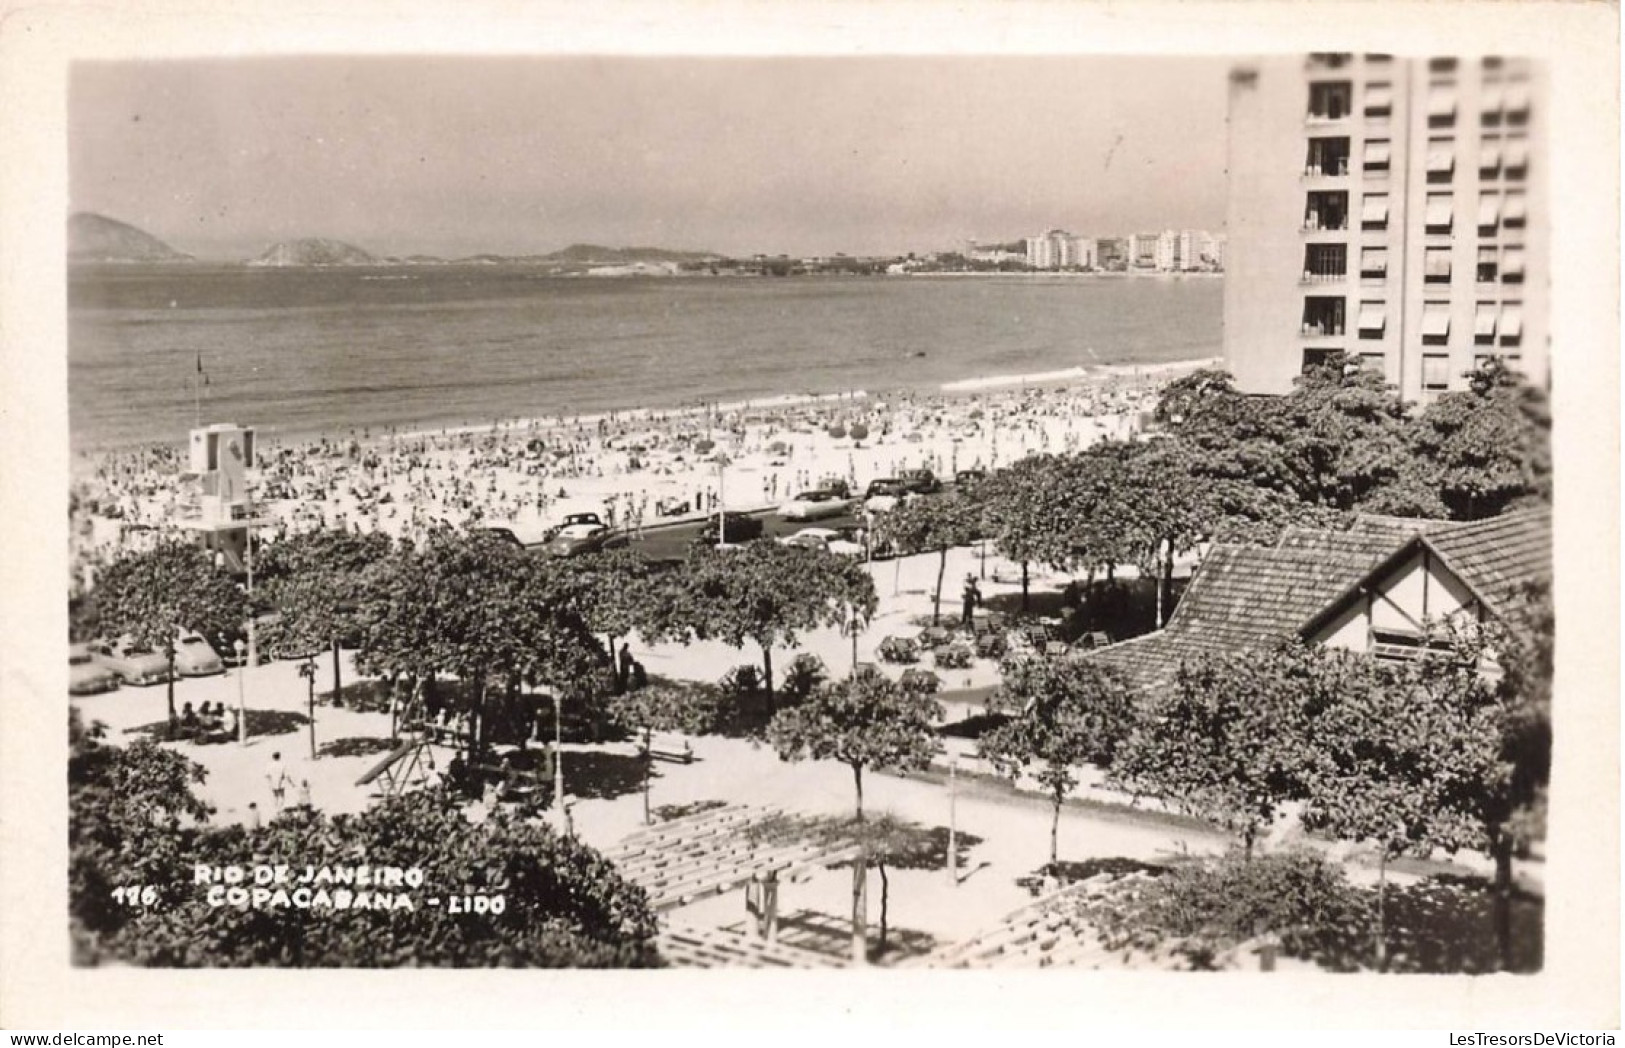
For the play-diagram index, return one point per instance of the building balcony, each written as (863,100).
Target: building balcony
(1323,278)
(1312,331)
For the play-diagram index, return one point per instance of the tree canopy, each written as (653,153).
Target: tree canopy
(155,595)
(1067,712)
(865,721)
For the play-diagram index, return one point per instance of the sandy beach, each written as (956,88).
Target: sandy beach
(634,468)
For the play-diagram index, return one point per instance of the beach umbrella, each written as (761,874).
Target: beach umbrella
(858,431)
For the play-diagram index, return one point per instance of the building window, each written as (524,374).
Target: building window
(1375,361)
(1489,213)
(1517,157)
(1511,323)
(1493,62)
(1441,212)
(1484,322)
(1329,59)
(1377,156)
(1374,211)
(1517,104)
(1392,645)
(1314,359)
(1379,99)
(1490,102)
(1441,160)
(1435,372)
(1489,157)
(1327,211)
(1488,265)
(1373,263)
(1373,319)
(1512,265)
(1322,262)
(1441,105)
(1435,323)
(1514,211)
(1331,100)
(1322,316)
(1441,65)
(1327,156)
(1436,265)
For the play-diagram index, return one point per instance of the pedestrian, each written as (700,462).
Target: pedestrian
(304,793)
(253,815)
(279,779)
(972,597)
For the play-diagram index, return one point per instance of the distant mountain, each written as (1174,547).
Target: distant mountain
(593,254)
(313,251)
(97,238)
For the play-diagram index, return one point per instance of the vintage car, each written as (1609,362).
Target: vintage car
(134,663)
(827,539)
(194,657)
(741,527)
(85,675)
(575,540)
(815,505)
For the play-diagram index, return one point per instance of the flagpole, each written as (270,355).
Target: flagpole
(197,405)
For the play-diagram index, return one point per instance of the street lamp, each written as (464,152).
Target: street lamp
(242,709)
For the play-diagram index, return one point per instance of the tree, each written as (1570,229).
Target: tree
(474,607)
(1227,741)
(1486,448)
(1067,712)
(664,706)
(769,593)
(156,595)
(316,580)
(127,807)
(866,721)
(936,524)
(616,592)
(1021,507)
(1389,748)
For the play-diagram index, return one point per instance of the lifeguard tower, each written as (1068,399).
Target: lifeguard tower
(221,456)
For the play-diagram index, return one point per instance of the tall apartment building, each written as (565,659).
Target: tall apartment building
(1391,208)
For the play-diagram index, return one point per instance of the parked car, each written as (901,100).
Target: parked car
(919,481)
(815,505)
(194,657)
(134,663)
(502,534)
(575,540)
(740,527)
(570,521)
(85,675)
(827,539)
(884,486)
(967,477)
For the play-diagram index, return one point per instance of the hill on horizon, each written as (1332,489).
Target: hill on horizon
(313,251)
(97,238)
(594,253)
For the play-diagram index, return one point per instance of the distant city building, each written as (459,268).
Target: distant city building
(1112,253)
(1058,249)
(1142,250)
(1393,209)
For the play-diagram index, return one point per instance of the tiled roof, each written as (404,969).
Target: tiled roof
(1243,596)
(1499,555)
(1400,527)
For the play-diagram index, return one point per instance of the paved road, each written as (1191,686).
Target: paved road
(664,541)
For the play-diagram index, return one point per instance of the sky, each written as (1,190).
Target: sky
(802,156)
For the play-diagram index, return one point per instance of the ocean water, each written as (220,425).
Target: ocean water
(297,352)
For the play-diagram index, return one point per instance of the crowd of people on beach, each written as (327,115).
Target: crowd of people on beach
(631,468)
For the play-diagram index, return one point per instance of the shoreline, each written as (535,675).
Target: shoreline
(768,405)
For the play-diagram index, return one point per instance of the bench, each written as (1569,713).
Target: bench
(671,750)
